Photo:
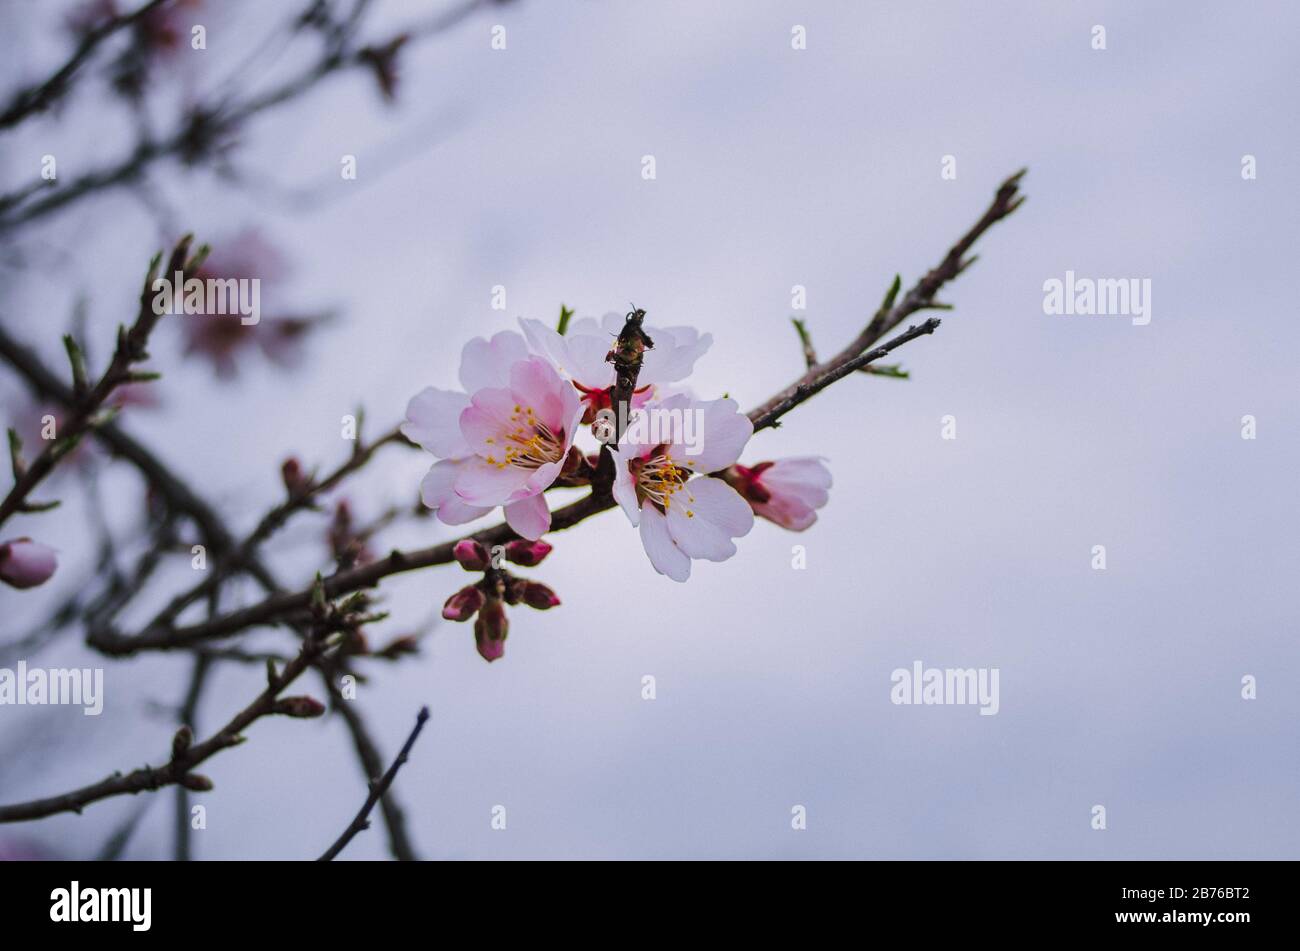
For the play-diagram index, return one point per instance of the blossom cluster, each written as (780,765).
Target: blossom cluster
(512,431)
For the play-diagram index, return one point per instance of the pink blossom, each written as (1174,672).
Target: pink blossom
(25,563)
(681,513)
(580,355)
(787,491)
(502,441)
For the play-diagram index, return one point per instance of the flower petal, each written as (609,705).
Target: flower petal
(437,490)
(673,356)
(705,515)
(486,363)
(664,554)
(720,436)
(433,421)
(479,482)
(625,486)
(538,387)
(529,517)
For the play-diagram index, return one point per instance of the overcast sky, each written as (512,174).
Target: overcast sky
(775,167)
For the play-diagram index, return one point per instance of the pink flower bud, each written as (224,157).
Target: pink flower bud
(526,553)
(462,605)
(25,563)
(295,481)
(471,555)
(537,595)
(490,629)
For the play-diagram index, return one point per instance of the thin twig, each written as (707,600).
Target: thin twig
(891,314)
(377,789)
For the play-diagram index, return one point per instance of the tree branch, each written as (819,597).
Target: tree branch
(179,770)
(378,787)
(131,349)
(40,97)
(891,314)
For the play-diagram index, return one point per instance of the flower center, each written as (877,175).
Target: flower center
(659,478)
(594,400)
(530,444)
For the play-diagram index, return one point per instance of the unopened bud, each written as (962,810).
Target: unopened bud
(462,605)
(25,563)
(537,595)
(295,481)
(181,741)
(526,553)
(490,629)
(196,782)
(301,707)
(471,555)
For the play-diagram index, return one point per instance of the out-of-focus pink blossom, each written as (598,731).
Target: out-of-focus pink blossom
(503,441)
(24,850)
(26,564)
(580,355)
(787,491)
(221,339)
(681,514)
(165,29)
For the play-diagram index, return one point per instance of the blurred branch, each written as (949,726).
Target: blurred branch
(298,500)
(38,98)
(289,606)
(185,754)
(189,720)
(86,404)
(206,125)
